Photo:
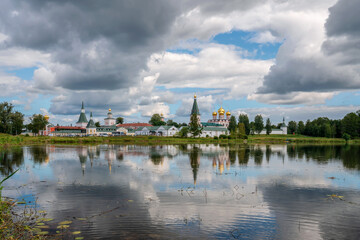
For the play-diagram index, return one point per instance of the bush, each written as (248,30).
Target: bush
(207,136)
(223,136)
(216,138)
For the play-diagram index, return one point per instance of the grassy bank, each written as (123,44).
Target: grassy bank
(154,140)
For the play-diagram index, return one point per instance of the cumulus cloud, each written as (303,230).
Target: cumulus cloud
(322,59)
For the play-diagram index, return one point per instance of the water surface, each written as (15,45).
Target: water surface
(192,191)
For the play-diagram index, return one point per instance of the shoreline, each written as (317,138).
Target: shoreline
(8,140)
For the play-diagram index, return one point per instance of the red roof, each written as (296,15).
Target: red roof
(67,127)
(134,125)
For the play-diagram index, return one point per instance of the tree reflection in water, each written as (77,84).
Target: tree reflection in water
(10,160)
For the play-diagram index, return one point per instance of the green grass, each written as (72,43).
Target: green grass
(154,140)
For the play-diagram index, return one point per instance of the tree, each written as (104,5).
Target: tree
(10,122)
(268,126)
(17,121)
(258,124)
(156,120)
(301,128)
(252,128)
(37,123)
(232,125)
(119,120)
(241,130)
(291,127)
(184,132)
(243,118)
(350,124)
(172,123)
(97,124)
(195,128)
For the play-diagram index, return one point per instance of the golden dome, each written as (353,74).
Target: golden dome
(194,95)
(46,117)
(221,111)
(161,115)
(214,113)
(228,113)
(109,109)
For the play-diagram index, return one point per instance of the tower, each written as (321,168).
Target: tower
(90,127)
(228,115)
(82,122)
(109,121)
(195,110)
(221,112)
(214,115)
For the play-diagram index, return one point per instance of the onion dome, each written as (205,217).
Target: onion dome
(228,113)
(221,111)
(161,115)
(214,113)
(194,95)
(109,109)
(46,117)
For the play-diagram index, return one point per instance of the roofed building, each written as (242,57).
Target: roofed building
(82,122)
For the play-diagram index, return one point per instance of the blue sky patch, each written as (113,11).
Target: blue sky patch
(241,39)
(23,73)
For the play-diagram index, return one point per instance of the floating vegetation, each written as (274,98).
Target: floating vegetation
(46,219)
(335,196)
(65,222)
(76,232)
(63,226)
(82,219)
(79,238)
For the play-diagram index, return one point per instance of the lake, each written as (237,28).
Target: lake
(191,191)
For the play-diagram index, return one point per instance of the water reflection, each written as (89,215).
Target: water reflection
(193,191)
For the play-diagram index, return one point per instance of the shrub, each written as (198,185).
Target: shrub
(223,136)
(215,137)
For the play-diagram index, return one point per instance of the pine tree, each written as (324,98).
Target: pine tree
(258,124)
(243,118)
(195,128)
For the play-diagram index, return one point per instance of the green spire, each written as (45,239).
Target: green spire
(91,123)
(82,117)
(195,108)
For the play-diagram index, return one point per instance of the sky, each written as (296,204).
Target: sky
(294,59)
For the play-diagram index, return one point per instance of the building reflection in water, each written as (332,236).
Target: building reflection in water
(194,157)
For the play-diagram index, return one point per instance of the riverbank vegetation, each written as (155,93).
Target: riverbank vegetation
(6,139)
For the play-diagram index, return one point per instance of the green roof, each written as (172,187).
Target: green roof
(131,130)
(207,124)
(195,108)
(91,123)
(82,117)
(167,127)
(214,129)
(106,129)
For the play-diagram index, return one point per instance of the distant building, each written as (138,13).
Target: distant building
(221,119)
(281,131)
(82,122)
(210,128)
(110,121)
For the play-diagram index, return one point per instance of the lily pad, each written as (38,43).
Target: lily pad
(82,219)
(22,202)
(63,226)
(65,222)
(43,233)
(46,219)
(42,211)
(42,226)
(130,200)
(79,238)
(76,232)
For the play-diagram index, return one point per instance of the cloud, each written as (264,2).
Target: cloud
(298,113)
(215,66)
(320,59)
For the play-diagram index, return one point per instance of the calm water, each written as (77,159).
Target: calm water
(192,191)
